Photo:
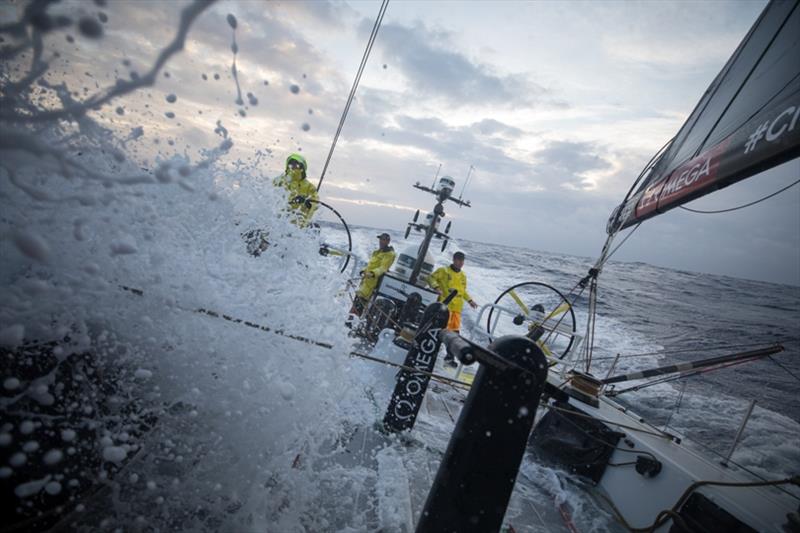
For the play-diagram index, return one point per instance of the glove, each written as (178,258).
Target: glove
(297,200)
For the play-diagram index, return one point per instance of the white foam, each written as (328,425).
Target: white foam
(12,335)
(53,457)
(143,374)
(114,454)
(26,490)
(32,245)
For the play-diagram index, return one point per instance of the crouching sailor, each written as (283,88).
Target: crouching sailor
(300,208)
(379,262)
(301,191)
(446,279)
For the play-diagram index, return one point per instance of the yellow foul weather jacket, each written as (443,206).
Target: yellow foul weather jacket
(445,279)
(303,188)
(379,263)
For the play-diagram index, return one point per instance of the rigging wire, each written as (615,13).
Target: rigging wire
(677,407)
(685,350)
(784,368)
(617,247)
(367,50)
(741,206)
(682,375)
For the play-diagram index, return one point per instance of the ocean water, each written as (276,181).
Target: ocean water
(653,316)
(215,425)
(125,407)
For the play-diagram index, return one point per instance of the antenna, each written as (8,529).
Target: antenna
(471,168)
(433,185)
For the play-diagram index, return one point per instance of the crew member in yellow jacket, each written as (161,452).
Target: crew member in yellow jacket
(301,191)
(379,263)
(443,280)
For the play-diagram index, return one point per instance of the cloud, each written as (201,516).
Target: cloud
(321,13)
(434,69)
(573,164)
(706,36)
(492,127)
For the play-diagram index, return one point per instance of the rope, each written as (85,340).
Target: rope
(677,405)
(662,434)
(590,326)
(612,252)
(741,206)
(215,314)
(370,43)
(435,377)
(784,368)
(664,516)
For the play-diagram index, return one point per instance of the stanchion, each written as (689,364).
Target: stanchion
(476,477)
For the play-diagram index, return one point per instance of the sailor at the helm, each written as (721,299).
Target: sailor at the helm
(448,278)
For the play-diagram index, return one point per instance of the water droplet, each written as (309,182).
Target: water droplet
(205,77)
(305,126)
(231,21)
(42,22)
(294,88)
(103,17)
(120,110)
(266,82)
(90,28)
(171,98)
(310,111)
(216,76)
(169,114)
(385,66)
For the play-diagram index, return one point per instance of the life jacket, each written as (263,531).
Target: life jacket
(296,189)
(379,263)
(446,279)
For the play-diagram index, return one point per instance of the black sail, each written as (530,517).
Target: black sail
(747,121)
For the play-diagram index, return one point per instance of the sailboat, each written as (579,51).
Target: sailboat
(651,479)
(745,123)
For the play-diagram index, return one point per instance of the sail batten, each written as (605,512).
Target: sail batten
(747,121)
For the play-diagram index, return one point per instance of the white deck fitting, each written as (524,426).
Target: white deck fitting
(640,498)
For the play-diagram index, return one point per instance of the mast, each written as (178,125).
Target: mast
(443,193)
(438,212)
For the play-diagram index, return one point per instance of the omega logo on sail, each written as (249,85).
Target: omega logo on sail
(688,177)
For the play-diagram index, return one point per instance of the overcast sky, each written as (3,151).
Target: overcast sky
(557,105)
